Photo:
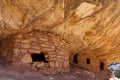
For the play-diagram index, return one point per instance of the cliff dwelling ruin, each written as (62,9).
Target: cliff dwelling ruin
(91,62)
(43,51)
(61,37)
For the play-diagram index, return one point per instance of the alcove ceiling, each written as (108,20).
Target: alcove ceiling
(88,26)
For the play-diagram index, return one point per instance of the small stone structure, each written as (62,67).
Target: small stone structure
(90,62)
(43,51)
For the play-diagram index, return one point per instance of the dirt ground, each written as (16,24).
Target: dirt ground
(8,72)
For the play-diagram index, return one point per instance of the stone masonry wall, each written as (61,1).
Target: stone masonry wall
(94,62)
(23,45)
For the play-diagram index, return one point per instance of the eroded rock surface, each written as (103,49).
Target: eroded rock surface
(18,15)
(95,31)
(96,34)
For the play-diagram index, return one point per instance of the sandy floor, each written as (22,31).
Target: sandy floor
(8,72)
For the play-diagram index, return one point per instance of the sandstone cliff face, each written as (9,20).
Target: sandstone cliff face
(17,15)
(96,34)
(94,30)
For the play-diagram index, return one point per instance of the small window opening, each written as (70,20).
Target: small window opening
(88,60)
(75,59)
(38,57)
(102,65)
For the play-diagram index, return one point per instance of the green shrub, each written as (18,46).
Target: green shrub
(117,73)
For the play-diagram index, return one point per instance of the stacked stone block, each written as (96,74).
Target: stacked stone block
(54,48)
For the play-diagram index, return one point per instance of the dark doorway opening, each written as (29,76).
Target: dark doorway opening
(38,57)
(88,60)
(102,66)
(75,59)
